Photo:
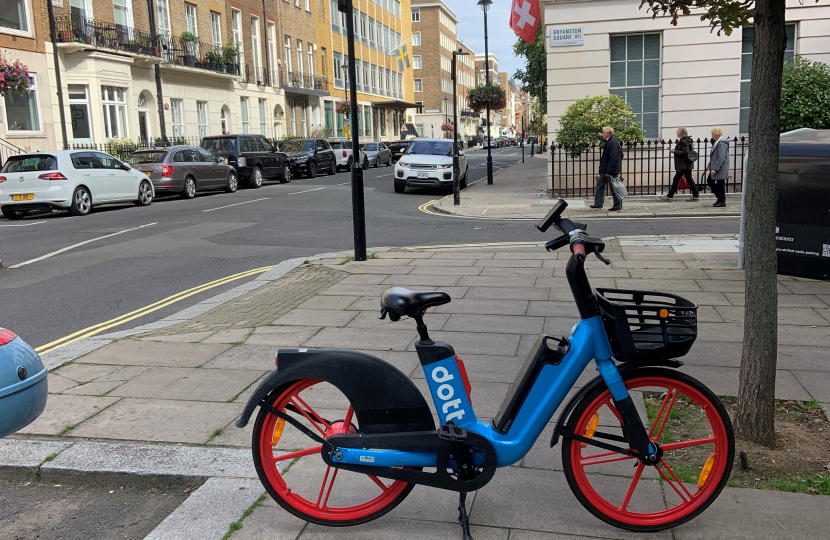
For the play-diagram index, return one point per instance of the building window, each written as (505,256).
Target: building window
(419,129)
(15,16)
(416,39)
(746,68)
(311,61)
(365,76)
(190,20)
(359,120)
(163,13)
(416,62)
(246,123)
(338,70)
(272,51)
(216,30)
(378,36)
(323,62)
(367,120)
(177,118)
(223,120)
(364,28)
(255,46)
(374,79)
(635,77)
(320,12)
(308,5)
(287,49)
(416,15)
(296,3)
(202,118)
(372,33)
(329,113)
(383,122)
(236,24)
(299,56)
(115,111)
(335,20)
(122,13)
(291,113)
(419,107)
(21,109)
(263,120)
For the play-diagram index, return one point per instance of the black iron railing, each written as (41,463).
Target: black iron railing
(296,79)
(8,149)
(122,149)
(647,167)
(196,54)
(106,35)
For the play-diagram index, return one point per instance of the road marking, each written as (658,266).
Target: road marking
(24,224)
(73,246)
(308,190)
(106,325)
(383,175)
(236,204)
(344,183)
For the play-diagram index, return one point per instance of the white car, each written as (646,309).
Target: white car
(74,180)
(428,163)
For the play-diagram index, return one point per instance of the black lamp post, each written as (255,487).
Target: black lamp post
(53,36)
(523,128)
(456,181)
(485,5)
(358,208)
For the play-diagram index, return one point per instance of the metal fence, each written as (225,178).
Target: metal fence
(108,36)
(647,167)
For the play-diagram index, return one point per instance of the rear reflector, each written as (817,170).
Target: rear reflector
(166,170)
(52,176)
(344,153)
(6,336)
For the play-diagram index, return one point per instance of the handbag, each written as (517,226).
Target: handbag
(618,187)
(683,184)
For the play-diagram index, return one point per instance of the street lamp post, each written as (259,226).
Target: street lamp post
(523,129)
(358,208)
(456,181)
(485,5)
(446,112)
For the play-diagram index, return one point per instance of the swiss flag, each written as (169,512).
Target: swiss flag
(525,17)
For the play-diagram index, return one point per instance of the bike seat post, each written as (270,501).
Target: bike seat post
(422,330)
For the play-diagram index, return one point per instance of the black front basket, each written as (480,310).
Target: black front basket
(647,326)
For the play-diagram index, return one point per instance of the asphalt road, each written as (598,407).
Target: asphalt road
(177,244)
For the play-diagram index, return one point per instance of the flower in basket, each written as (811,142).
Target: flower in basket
(14,76)
(344,106)
(447,126)
(486,95)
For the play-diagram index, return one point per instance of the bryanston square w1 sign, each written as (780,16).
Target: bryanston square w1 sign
(567,36)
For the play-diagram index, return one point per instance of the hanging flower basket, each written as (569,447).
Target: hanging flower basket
(484,95)
(447,126)
(344,106)
(14,77)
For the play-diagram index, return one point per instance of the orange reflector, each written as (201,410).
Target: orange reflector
(707,469)
(591,429)
(664,313)
(278,431)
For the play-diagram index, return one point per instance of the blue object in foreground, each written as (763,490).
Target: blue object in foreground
(23,384)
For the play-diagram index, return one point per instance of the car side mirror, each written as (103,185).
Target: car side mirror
(126,166)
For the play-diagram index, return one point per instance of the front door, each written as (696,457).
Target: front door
(93,175)
(143,132)
(123,185)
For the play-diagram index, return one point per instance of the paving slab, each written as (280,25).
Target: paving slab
(415,530)
(94,388)
(478,343)
(188,384)
(315,317)
(271,523)
(816,383)
(161,420)
(28,453)
(153,353)
(251,357)
(228,336)
(282,336)
(723,381)
(362,338)
(190,337)
(63,411)
(505,324)
(82,373)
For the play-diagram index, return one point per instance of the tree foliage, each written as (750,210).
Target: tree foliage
(805,95)
(581,124)
(534,75)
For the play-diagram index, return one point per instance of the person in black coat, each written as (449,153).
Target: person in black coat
(610,166)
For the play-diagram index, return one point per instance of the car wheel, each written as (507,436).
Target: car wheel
(255,181)
(333,168)
(286,174)
(349,164)
(312,170)
(399,187)
(233,182)
(189,190)
(377,162)
(145,194)
(10,213)
(365,164)
(81,202)
(389,162)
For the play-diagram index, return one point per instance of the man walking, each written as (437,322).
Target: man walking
(610,166)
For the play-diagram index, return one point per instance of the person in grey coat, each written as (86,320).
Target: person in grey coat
(719,166)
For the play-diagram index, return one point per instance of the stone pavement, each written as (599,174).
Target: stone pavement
(520,192)
(164,402)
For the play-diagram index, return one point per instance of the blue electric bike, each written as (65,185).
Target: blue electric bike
(644,447)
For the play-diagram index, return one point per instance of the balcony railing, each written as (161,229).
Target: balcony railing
(295,79)
(104,35)
(196,54)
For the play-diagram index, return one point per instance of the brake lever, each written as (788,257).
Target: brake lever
(600,257)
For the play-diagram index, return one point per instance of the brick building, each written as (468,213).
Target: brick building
(481,68)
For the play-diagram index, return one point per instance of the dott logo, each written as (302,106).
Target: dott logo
(446,392)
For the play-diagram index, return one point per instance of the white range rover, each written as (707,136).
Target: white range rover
(428,163)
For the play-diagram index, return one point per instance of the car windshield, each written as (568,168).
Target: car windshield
(431,148)
(371,147)
(298,146)
(153,156)
(220,144)
(30,163)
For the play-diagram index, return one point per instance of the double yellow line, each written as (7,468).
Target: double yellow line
(127,317)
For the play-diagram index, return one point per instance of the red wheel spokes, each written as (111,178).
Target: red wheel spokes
(632,486)
(676,479)
(321,502)
(686,444)
(349,414)
(666,416)
(306,410)
(592,459)
(380,484)
(298,454)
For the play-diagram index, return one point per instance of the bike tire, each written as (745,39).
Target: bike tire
(722,435)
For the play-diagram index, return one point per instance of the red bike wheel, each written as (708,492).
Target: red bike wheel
(291,468)
(694,432)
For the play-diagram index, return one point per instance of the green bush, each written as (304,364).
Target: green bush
(805,95)
(581,125)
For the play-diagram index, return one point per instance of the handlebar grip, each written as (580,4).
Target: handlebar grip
(579,252)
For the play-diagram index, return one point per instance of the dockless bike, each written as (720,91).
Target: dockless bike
(644,446)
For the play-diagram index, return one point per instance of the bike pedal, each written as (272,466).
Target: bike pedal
(452,433)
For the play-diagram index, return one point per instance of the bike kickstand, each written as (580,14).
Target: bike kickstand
(463,518)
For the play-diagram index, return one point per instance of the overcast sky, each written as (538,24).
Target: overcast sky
(501,38)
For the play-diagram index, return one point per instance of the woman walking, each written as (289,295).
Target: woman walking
(682,165)
(718,167)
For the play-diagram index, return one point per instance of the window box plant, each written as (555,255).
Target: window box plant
(14,77)
(229,55)
(483,95)
(189,39)
(214,60)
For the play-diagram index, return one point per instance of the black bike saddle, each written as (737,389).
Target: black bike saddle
(411,303)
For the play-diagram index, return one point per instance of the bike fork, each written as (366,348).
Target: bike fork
(633,429)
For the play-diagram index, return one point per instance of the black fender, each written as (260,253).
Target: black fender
(384,399)
(592,384)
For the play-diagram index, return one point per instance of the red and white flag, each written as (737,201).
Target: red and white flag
(525,17)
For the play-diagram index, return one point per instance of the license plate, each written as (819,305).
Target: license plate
(24,197)
(423,175)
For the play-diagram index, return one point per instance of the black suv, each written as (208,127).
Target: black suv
(253,157)
(308,156)
(398,149)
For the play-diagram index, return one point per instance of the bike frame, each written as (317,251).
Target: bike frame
(588,341)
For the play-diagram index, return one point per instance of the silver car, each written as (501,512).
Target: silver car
(375,153)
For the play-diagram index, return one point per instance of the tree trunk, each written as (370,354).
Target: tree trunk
(756,391)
